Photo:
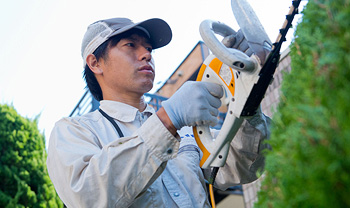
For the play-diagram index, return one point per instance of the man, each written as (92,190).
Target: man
(128,155)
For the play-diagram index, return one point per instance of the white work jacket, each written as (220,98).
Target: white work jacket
(90,166)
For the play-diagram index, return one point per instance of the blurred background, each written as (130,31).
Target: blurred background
(41,66)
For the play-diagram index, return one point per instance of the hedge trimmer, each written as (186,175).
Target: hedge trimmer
(245,79)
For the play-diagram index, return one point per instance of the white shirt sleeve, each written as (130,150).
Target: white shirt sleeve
(87,173)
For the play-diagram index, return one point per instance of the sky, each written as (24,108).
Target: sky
(41,65)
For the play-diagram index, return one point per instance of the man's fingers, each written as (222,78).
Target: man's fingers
(239,39)
(243,46)
(214,89)
(229,41)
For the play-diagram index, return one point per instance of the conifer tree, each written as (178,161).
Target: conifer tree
(24,181)
(309,165)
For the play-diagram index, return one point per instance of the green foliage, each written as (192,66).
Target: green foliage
(309,165)
(24,181)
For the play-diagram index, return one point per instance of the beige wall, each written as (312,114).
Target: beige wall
(235,201)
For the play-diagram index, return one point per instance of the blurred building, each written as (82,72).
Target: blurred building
(239,196)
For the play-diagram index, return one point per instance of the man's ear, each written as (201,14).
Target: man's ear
(94,64)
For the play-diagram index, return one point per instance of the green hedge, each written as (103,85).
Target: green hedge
(24,181)
(309,165)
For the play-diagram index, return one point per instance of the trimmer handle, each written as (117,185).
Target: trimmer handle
(224,67)
(233,58)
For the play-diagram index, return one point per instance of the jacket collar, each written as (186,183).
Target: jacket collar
(121,111)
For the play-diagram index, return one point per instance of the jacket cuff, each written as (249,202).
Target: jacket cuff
(159,140)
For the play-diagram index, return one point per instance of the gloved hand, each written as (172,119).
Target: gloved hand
(237,41)
(194,104)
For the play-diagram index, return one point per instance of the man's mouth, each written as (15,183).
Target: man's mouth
(146,68)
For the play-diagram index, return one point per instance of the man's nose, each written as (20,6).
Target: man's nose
(145,54)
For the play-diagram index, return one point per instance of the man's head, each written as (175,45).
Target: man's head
(104,34)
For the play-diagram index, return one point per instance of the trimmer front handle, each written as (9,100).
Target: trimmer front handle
(235,59)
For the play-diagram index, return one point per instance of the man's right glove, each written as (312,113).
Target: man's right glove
(194,104)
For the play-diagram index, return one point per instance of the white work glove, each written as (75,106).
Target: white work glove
(194,104)
(239,42)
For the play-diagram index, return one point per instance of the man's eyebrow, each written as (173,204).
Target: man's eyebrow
(147,40)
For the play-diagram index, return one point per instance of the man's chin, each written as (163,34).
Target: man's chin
(147,87)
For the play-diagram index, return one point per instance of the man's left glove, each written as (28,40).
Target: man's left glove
(238,42)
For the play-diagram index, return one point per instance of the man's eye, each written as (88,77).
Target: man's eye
(149,49)
(130,44)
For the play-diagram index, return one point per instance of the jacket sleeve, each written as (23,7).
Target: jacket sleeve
(245,157)
(87,173)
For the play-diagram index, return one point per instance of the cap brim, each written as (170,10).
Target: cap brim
(159,31)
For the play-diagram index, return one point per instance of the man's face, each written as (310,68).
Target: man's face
(129,67)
